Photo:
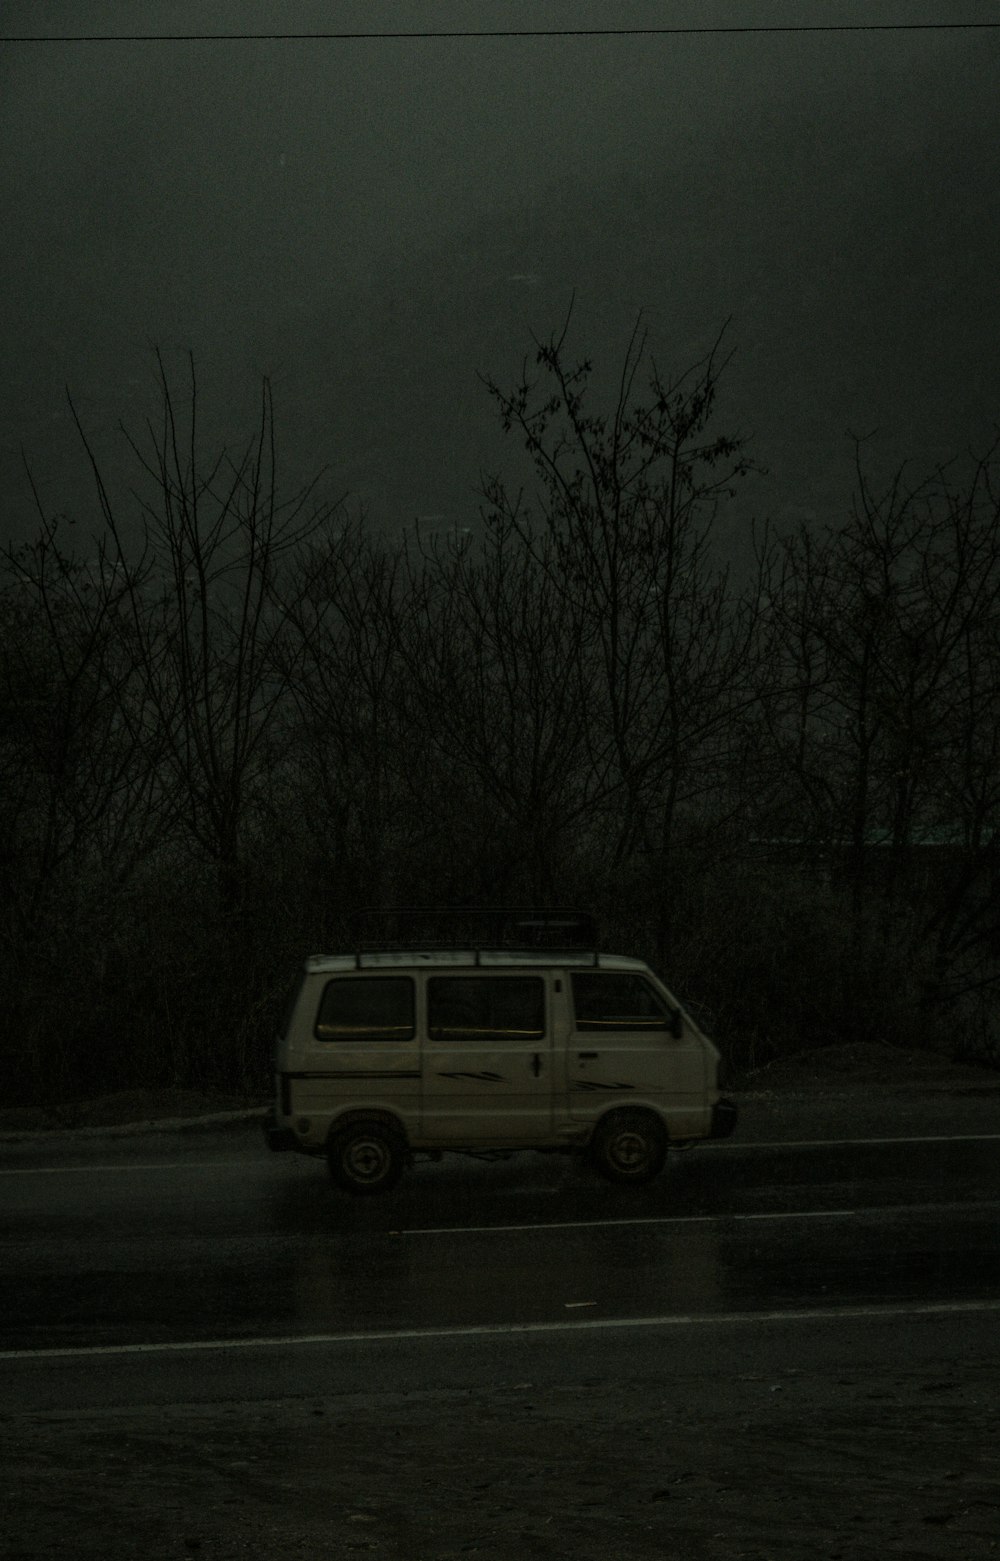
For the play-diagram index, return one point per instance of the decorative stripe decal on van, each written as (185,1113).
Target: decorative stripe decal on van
(354,1073)
(593,1084)
(486,1078)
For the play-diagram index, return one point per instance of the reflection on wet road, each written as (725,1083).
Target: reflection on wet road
(224,1242)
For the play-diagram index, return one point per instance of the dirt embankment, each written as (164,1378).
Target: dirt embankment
(861,1064)
(125,1107)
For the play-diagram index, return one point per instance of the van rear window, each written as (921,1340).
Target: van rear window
(485,1008)
(366,1008)
(291,1004)
(617,1002)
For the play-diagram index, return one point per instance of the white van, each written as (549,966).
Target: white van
(519,1035)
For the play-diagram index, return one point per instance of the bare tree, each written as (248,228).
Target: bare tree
(78,790)
(501,675)
(625,501)
(883,711)
(80,810)
(356,767)
(206,611)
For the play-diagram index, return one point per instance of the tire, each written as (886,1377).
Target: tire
(629,1147)
(366,1158)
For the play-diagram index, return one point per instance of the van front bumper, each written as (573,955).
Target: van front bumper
(724,1115)
(278,1137)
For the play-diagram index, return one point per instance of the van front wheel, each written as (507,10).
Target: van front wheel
(629,1147)
(366,1157)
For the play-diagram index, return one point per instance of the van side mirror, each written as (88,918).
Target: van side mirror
(677,1025)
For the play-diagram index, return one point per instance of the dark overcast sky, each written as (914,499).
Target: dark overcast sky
(373,222)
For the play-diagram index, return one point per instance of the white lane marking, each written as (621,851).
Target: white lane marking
(838,1143)
(716,1148)
(492,1330)
(701,1219)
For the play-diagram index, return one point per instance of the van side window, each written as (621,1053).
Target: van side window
(368,1008)
(485,1008)
(617,1002)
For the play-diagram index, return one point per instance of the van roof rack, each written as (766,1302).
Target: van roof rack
(524,929)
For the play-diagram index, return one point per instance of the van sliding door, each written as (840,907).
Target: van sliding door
(487,1066)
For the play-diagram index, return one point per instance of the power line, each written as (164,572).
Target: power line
(530,32)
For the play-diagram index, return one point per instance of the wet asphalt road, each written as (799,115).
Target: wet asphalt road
(178,1239)
(790,1339)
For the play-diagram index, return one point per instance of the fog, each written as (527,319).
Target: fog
(375,223)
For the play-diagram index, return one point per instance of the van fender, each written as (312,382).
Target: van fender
(646,1106)
(372,1114)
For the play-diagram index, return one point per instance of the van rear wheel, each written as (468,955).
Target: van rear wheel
(366,1157)
(629,1147)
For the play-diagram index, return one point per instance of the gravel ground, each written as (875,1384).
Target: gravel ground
(789,1466)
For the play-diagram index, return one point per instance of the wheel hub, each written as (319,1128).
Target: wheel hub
(630,1150)
(367,1160)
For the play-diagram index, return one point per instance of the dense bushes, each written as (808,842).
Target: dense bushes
(244,715)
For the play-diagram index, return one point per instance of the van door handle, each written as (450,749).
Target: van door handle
(536,1066)
(586,1056)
